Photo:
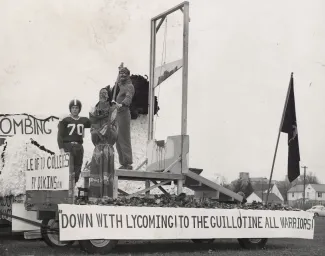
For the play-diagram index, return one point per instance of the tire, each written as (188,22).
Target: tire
(252,243)
(202,241)
(99,246)
(316,214)
(51,237)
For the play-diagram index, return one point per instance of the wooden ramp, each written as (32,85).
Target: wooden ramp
(203,187)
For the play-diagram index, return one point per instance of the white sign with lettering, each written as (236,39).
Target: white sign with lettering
(48,173)
(137,223)
(11,125)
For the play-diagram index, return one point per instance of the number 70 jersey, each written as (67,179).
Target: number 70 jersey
(72,130)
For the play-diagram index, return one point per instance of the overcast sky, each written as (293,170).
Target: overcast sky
(241,54)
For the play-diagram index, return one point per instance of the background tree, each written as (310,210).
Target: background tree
(242,185)
(311,178)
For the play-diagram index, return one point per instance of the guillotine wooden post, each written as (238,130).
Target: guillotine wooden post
(184,7)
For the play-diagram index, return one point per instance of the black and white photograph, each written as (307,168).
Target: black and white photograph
(136,127)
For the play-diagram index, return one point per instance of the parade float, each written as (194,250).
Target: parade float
(193,207)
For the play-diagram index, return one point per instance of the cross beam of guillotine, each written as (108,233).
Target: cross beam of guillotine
(184,7)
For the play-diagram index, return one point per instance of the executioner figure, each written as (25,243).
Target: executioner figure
(103,135)
(123,99)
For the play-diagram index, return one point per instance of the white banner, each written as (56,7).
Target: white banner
(27,125)
(48,173)
(83,222)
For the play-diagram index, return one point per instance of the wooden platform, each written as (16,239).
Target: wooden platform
(142,176)
(192,180)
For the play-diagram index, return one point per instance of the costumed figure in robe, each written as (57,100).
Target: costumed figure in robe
(103,135)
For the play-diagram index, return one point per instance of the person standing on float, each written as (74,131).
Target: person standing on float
(123,101)
(103,135)
(71,133)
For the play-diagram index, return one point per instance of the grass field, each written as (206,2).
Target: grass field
(10,245)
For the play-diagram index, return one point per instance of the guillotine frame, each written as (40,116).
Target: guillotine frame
(165,177)
(184,7)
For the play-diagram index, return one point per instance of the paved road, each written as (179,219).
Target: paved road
(16,245)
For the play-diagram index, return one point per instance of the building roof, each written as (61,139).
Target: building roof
(300,188)
(272,197)
(318,187)
(296,188)
(261,187)
(261,179)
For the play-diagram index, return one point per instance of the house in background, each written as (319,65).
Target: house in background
(260,196)
(261,186)
(313,192)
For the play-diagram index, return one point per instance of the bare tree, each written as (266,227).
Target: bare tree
(311,178)
(223,180)
(244,186)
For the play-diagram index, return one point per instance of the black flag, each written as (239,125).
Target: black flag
(289,126)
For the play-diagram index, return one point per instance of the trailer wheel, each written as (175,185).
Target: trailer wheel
(202,241)
(100,246)
(51,237)
(252,243)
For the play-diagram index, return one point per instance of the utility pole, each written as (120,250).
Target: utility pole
(304,198)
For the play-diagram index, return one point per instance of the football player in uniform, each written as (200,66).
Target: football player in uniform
(70,135)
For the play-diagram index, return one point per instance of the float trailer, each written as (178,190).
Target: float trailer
(172,168)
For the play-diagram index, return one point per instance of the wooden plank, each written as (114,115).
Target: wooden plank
(147,185)
(184,169)
(146,189)
(115,186)
(185,68)
(71,180)
(161,188)
(160,23)
(152,79)
(129,175)
(215,186)
(172,164)
(179,187)
(142,164)
(171,10)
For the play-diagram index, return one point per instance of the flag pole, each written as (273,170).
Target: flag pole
(277,142)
